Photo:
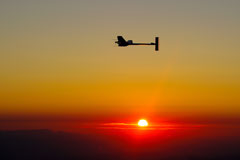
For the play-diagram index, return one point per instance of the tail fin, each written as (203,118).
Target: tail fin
(156,43)
(121,41)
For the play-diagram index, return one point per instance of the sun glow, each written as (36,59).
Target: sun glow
(142,123)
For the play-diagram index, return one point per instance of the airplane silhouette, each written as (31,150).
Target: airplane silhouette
(123,43)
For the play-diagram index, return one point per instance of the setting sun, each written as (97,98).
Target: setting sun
(142,123)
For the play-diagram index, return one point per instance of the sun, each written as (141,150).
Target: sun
(142,123)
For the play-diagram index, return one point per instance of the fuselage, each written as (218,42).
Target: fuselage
(130,42)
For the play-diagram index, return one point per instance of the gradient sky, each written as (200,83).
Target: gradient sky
(59,57)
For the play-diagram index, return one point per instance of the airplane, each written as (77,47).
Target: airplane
(123,43)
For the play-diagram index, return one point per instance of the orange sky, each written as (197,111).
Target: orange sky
(58,58)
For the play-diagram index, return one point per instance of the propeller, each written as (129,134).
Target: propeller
(116,42)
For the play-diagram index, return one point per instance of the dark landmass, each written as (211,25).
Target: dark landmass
(49,145)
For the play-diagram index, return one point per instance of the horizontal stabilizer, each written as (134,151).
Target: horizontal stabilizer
(156,43)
